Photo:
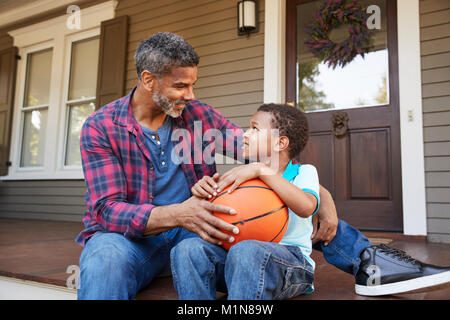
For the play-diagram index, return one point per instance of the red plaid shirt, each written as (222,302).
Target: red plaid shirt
(118,169)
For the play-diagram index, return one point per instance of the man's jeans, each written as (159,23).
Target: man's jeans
(113,267)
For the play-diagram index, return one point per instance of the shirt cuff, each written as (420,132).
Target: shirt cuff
(315,195)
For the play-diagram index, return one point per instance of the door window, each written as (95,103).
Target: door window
(363,82)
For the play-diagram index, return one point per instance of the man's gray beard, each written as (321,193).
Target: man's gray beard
(164,103)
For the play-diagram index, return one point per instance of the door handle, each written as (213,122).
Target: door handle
(291,103)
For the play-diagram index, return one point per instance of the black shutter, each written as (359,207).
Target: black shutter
(112,60)
(8,64)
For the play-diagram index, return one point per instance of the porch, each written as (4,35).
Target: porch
(38,252)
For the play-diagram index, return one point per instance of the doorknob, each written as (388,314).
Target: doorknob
(339,124)
(291,103)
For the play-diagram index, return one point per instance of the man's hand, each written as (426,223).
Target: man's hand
(195,215)
(325,221)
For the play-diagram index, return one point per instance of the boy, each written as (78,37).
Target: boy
(254,269)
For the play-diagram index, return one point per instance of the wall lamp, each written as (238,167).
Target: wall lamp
(247,13)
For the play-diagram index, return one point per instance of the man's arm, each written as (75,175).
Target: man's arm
(106,185)
(326,217)
(195,215)
(108,198)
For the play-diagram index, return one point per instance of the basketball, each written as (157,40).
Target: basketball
(260,213)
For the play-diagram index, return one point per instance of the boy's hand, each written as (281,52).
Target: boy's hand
(240,174)
(206,187)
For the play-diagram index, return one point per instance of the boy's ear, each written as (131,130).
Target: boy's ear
(283,143)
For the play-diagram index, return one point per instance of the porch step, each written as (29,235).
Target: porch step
(19,289)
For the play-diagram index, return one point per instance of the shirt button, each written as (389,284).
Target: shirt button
(163,163)
(151,168)
(162,153)
(158,142)
(151,196)
(153,137)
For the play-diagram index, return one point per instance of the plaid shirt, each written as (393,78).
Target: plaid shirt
(118,169)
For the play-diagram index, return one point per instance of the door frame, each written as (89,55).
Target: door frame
(410,98)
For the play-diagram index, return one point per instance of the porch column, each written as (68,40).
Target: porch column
(411,130)
(274,51)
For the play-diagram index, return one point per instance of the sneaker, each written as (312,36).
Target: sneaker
(385,270)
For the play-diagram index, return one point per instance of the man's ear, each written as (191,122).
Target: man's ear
(148,80)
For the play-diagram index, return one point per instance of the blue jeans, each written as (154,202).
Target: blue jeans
(344,250)
(258,270)
(113,267)
(250,270)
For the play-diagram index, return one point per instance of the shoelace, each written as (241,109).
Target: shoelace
(397,253)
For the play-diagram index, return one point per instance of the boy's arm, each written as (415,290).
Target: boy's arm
(301,203)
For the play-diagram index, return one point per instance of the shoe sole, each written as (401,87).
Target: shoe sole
(404,286)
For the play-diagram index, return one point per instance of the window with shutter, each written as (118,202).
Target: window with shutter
(56,90)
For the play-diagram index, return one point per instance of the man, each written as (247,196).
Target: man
(139,194)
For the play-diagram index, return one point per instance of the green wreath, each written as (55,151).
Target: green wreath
(333,14)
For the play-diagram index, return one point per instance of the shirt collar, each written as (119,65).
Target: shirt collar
(123,114)
(291,171)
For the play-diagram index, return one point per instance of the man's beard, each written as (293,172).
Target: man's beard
(164,103)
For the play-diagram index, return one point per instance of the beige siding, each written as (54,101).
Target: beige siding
(231,70)
(231,76)
(435,52)
(48,200)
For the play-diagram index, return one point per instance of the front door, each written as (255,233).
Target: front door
(352,108)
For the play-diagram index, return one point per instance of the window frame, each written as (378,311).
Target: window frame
(21,109)
(55,34)
(66,103)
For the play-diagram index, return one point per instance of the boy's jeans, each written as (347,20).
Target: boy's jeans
(113,267)
(250,270)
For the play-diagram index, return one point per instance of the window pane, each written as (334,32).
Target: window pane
(37,85)
(77,116)
(35,123)
(362,82)
(83,69)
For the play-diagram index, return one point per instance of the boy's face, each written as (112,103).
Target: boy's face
(260,138)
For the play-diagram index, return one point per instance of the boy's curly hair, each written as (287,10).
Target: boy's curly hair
(292,123)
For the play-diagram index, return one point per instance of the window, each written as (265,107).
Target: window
(80,95)
(35,107)
(362,83)
(55,93)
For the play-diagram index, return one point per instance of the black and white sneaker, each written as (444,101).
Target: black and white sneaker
(385,271)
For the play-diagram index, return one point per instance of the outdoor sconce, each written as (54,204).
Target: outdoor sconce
(247,17)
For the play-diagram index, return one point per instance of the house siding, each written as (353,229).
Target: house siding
(61,200)
(231,79)
(435,59)
(231,69)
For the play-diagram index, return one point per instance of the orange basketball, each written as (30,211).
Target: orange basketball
(260,213)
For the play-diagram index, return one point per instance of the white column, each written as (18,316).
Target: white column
(274,51)
(411,129)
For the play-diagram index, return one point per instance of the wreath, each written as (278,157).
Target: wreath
(333,14)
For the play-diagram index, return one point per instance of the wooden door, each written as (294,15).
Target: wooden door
(361,168)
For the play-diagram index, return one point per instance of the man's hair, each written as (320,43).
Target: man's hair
(292,123)
(162,51)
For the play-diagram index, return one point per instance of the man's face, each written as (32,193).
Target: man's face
(175,90)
